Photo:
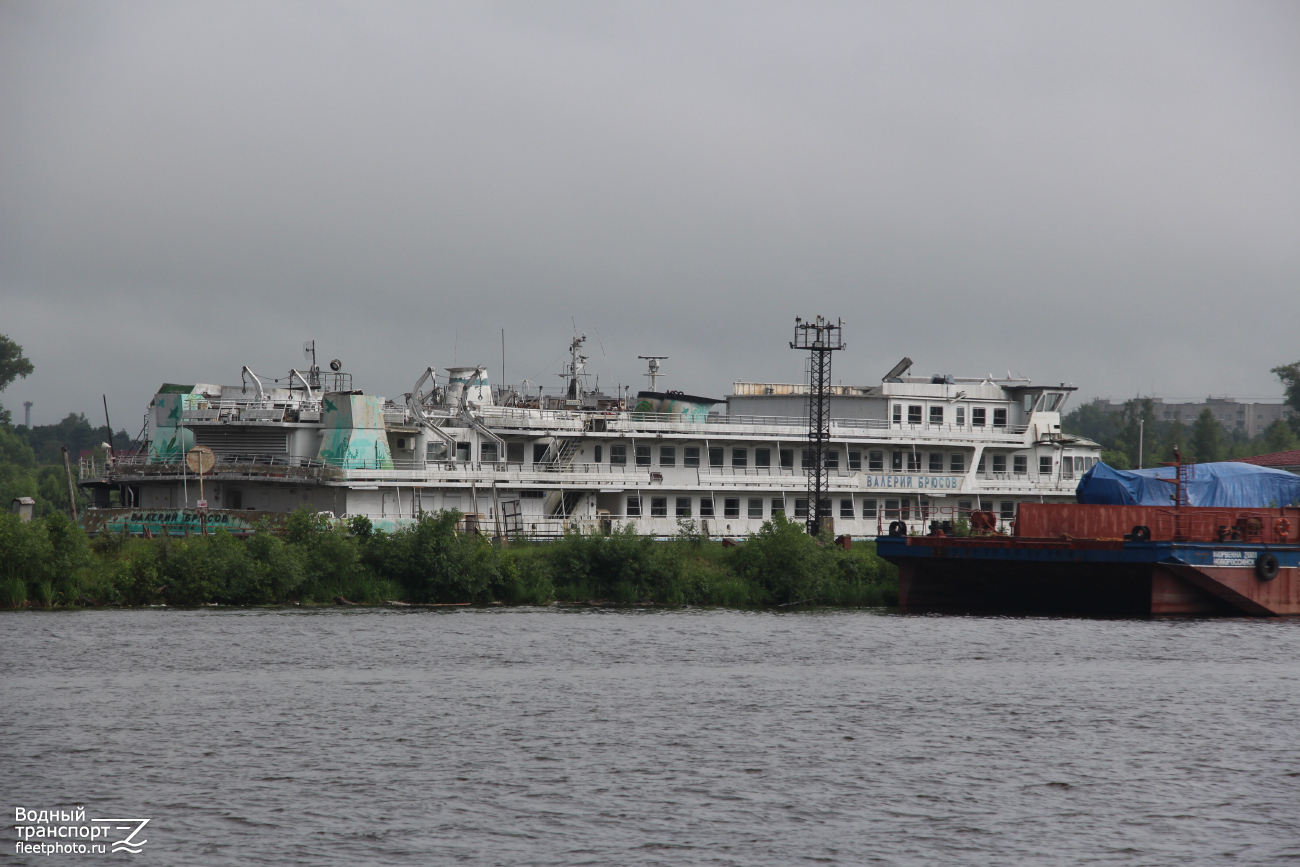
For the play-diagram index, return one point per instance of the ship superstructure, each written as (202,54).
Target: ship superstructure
(515,461)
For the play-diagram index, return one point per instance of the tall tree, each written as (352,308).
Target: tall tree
(1290,376)
(1138,434)
(1176,438)
(1279,437)
(1207,437)
(12,362)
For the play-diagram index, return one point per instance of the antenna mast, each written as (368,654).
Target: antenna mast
(820,337)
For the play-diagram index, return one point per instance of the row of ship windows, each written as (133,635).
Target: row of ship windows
(978,415)
(754,507)
(909,461)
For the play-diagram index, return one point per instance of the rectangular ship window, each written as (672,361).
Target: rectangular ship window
(683,507)
(659,507)
(831,459)
(715,456)
(618,455)
(706,507)
(876,462)
(801,507)
(787,459)
(936,415)
(896,462)
(891,510)
(762,457)
(1044,465)
(914,415)
(957,463)
(634,507)
(1000,416)
(691,456)
(740,457)
(487,453)
(868,508)
(1008,510)
(961,416)
(598,454)
(731,507)
(846,509)
(977,416)
(667,456)
(913,462)
(1020,464)
(643,456)
(898,414)
(755,507)
(515,453)
(778,506)
(936,462)
(855,460)
(999,463)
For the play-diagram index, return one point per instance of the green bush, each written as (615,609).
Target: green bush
(432,562)
(784,563)
(50,562)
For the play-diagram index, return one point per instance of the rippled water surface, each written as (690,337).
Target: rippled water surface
(548,736)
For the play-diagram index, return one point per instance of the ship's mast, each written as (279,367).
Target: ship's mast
(577,363)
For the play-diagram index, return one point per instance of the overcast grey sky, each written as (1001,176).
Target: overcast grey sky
(1105,194)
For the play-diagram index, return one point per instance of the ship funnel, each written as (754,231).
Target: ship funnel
(474,382)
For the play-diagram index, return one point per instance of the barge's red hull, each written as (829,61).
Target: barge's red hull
(1076,559)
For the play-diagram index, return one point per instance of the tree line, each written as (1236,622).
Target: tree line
(1202,440)
(50,562)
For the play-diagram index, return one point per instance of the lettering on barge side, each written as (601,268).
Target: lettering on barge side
(1235,558)
(914,482)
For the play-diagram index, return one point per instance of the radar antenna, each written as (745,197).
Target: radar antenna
(653,372)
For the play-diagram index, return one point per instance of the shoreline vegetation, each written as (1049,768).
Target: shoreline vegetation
(50,562)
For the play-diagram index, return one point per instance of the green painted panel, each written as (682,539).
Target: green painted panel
(354,435)
(168,443)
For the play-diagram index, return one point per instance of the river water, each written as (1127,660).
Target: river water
(581,736)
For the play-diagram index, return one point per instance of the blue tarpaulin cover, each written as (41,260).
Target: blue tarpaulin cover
(1224,485)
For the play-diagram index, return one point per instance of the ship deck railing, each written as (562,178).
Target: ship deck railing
(249,411)
(225,464)
(506,418)
(548,475)
(783,427)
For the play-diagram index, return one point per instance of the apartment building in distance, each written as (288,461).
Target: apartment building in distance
(1251,418)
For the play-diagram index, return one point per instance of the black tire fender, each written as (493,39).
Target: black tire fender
(1266,566)
(897,529)
(1141,534)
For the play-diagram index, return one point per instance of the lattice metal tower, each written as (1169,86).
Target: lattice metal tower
(820,337)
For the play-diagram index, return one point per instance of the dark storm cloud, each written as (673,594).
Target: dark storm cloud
(1102,194)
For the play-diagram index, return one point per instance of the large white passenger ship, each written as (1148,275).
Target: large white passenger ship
(909,448)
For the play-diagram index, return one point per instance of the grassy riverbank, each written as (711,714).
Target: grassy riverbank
(50,562)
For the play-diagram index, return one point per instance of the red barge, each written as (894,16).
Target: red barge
(1125,560)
